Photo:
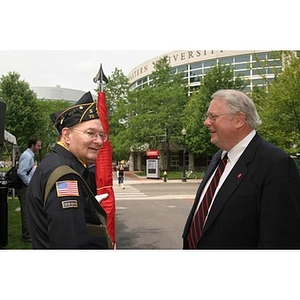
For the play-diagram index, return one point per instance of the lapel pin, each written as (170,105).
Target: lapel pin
(239,176)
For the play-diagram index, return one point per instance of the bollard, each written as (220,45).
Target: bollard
(165,176)
(3,211)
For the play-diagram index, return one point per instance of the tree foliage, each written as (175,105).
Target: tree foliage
(116,96)
(47,131)
(280,110)
(151,115)
(155,111)
(23,115)
(27,116)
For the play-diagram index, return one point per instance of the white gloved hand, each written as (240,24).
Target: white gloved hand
(101,197)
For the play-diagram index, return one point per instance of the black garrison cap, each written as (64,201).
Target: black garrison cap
(83,110)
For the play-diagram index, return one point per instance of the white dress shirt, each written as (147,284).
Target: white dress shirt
(26,166)
(233,156)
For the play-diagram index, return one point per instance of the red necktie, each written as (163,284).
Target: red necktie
(199,219)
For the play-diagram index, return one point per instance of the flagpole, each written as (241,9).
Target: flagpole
(103,165)
(101,79)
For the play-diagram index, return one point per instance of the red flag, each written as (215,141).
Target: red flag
(103,173)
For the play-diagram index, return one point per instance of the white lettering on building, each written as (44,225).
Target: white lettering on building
(175,59)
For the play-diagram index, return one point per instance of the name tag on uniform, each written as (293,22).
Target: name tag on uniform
(67,188)
(69,204)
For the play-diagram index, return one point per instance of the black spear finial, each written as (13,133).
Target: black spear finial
(100,77)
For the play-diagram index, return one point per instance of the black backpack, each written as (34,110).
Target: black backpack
(12,178)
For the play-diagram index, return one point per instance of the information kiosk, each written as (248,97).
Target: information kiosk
(152,162)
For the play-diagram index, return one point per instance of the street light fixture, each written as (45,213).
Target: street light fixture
(183,132)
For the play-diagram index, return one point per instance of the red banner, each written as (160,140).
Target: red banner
(104,175)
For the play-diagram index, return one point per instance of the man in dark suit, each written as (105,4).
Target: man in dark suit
(256,203)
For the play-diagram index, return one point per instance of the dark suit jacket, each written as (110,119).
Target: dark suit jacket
(258,206)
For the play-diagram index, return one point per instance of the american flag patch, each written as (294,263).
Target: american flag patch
(67,188)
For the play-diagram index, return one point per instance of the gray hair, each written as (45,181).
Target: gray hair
(237,102)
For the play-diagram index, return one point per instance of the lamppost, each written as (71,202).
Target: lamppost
(183,132)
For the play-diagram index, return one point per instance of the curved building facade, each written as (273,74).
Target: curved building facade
(255,66)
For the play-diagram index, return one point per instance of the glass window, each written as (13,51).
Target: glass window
(242,66)
(273,70)
(258,71)
(273,55)
(196,65)
(206,70)
(182,68)
(274,62)
(258,56)
(257,64)
(258,81)
(242,73)
(242,58)
(209,63)
(194,79)
(196,72)
(226,60)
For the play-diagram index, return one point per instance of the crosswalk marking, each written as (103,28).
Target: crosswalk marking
(129,193)
(129,196)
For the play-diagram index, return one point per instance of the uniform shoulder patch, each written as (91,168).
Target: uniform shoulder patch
(67,188)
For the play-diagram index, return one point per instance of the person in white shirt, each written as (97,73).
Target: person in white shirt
(26,169)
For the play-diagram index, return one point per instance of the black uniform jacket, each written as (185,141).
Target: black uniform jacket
(62,222)
(258,205)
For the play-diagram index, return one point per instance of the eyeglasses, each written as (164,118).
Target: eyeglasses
(212,117)
(93,135)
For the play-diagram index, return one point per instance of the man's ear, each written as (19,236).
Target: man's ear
(240,120)
(65,134)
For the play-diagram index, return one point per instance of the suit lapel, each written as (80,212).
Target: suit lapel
(232,181)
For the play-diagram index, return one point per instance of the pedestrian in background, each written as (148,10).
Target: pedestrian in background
(26,169)
(250,195)
(120,176)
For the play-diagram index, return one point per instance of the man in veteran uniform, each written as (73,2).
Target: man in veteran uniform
(62,211)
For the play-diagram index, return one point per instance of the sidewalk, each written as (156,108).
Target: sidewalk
(131,178)
(132,190)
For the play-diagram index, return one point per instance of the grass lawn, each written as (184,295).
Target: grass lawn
(14,240)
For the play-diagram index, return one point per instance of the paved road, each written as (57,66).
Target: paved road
(150,214)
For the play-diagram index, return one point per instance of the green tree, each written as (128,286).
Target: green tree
(280,110)
(197,138)
(154,112)
(116,91)
(116,96)
(46,130)
(23,116)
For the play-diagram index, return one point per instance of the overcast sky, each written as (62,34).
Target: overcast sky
(124,34)
(70,69)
